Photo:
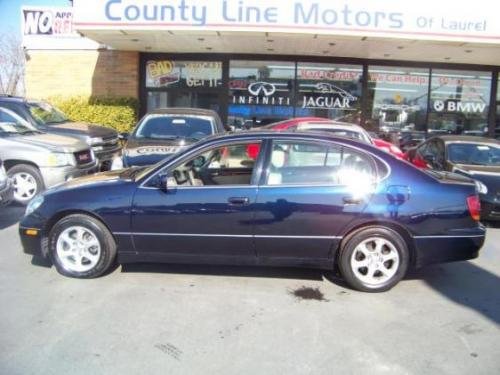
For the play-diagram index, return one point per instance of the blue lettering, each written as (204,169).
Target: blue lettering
(225,12)
(301,17)
(271,15)
(133,8)
(108,10)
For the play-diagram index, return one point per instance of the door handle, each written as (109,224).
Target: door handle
(238,201)
(352,200)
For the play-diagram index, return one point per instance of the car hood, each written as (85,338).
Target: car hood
(98,179)
(140,152)
(52,142)
(79,128)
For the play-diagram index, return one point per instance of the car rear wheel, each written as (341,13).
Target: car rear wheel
(374,259)
(27,182)
(81,247)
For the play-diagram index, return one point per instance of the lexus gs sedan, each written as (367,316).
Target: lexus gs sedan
(298,199)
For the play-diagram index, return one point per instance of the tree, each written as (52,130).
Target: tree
(12,59)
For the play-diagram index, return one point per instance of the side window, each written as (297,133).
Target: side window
(309,163)
(231,164)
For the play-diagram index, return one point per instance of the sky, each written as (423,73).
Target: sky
(10,13)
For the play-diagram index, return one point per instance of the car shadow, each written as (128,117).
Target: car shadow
(219,270)
(10,215)
(466,284)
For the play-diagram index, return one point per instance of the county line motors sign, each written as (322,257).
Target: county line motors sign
(425,19)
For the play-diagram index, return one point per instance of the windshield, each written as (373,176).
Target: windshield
(175,127)
(14,128)
(474,154)
(45,114)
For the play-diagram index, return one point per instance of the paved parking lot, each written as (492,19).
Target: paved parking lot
(166,319)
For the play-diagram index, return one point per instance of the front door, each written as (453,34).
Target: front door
(207,208)
(310,194)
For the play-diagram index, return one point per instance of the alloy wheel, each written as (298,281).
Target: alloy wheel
(78,249)
(375,261)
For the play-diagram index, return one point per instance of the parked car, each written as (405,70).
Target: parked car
(308,200)
(48,119)
(339,128)
(6,188)
(385,145)
(36,161)
(471,156)
(164,132)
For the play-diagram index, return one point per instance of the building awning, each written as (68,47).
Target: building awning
(424,30)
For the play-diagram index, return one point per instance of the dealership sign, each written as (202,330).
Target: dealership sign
(330,97)
(427,19)
(261,93)
(458,106)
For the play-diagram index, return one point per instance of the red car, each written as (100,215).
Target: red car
(342,128)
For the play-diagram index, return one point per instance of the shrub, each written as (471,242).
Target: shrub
(116,113)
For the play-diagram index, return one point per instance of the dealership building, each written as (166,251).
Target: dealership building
(424,65)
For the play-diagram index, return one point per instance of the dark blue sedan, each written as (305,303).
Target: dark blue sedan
(262,198)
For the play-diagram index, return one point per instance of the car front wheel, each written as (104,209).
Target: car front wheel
(81,247)
(373,259)
(27,181)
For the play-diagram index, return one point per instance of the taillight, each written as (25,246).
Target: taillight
(474,207)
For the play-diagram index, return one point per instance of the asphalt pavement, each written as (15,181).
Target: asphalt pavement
(171,319)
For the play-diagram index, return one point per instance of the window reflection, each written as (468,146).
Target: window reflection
(397,98)
(459,102)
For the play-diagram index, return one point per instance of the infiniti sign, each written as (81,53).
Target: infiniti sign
(258,88)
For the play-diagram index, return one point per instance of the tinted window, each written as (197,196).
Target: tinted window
(309,163)
(477,154)
(173,127)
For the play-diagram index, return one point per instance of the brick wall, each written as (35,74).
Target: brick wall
(87,73)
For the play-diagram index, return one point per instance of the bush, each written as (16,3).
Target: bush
(116,113)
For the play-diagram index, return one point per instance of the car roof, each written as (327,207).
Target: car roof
(183,111)
(11,98)
(466,138)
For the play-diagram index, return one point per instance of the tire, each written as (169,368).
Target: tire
(81,247)
(31,175)
(373,259)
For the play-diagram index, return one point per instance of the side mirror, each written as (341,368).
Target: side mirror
(164,183)
(123,136)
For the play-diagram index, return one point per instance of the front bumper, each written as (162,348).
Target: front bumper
(490,210)
(449,247)
(6,193)
(105,156)
(56,175)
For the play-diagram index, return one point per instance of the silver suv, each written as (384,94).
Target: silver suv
(36,161)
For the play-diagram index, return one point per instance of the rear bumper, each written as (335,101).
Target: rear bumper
(450,247)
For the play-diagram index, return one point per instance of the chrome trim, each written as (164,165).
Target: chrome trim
(221,235)
(449,236)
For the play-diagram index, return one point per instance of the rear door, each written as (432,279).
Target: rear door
(308,195)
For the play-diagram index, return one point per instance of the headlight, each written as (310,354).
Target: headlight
(117,163)
(33,205)
(481,188)
(95,141)
(57,159)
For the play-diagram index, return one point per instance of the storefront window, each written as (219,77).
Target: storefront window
(185,99)
(397,98)
(459,102)
(260,92)
(165,73)
(330,91)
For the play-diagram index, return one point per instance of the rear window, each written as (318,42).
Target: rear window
(174,127)
(474,154)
